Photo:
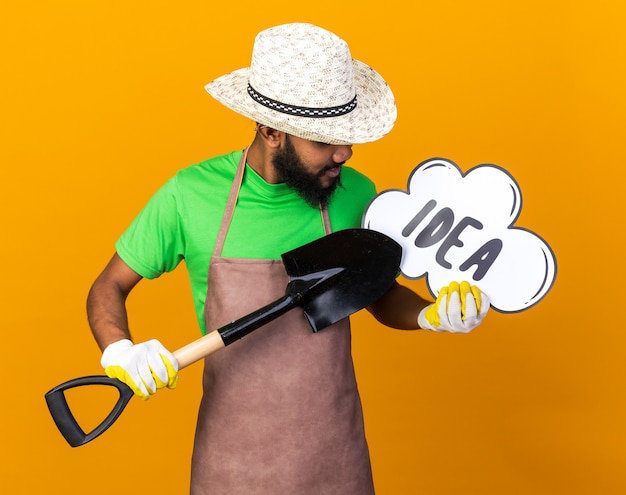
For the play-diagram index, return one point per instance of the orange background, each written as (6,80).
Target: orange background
(103,101)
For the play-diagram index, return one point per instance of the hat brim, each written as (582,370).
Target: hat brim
(373,117)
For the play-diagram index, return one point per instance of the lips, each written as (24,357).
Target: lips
(331,170)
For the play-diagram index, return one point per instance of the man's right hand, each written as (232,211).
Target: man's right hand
(144,367)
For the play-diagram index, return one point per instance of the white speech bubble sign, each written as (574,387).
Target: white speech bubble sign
(454,226)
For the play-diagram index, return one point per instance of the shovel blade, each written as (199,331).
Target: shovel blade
(364,263)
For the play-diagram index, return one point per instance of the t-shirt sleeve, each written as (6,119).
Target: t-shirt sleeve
(153,243)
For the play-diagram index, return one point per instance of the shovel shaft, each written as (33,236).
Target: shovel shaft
(235,330)
(199,349)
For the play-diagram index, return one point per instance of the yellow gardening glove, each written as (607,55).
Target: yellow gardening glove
(144,367)
(458,308)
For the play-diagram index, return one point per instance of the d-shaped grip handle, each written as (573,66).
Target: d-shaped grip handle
(65,420)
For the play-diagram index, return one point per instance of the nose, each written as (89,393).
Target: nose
(342,153)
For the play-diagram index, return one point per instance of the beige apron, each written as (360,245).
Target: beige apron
(280,414)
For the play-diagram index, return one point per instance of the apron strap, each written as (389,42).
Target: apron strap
(326,219)
(232,202)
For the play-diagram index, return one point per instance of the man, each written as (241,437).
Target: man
(280,412)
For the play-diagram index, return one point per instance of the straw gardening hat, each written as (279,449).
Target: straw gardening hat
(303,81)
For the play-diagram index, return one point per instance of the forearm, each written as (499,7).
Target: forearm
(144,367)
(107,316)
(399,308)
(106,303)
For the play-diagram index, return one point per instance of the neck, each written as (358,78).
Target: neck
(260,159)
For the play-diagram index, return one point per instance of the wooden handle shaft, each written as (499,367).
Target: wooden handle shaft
(198,349)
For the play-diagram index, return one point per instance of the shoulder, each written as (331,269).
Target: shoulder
(353,175)
(198,186)
(208,171)
(350,199)
(357,183)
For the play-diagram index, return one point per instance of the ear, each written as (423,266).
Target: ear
(272,137)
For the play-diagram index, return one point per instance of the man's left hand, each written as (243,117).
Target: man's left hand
(459,308)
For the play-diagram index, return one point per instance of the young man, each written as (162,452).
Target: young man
(280,412)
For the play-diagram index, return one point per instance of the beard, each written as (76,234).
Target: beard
(294,173)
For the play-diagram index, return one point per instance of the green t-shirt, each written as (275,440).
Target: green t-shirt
(182,219)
